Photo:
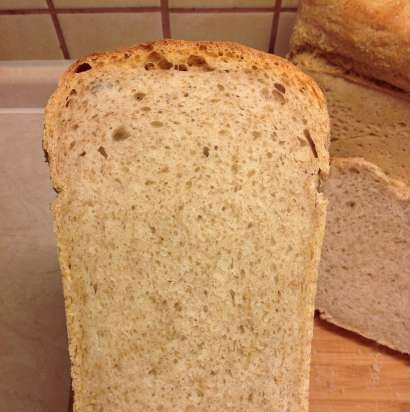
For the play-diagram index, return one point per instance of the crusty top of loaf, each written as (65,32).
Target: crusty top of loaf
(370,37)
(176,55)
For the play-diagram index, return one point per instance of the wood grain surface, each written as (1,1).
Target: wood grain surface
(352,374)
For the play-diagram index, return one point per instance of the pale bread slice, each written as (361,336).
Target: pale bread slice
(364,281)
(189,226)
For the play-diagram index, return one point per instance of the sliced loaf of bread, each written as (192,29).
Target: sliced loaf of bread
(189,225)
(358,51)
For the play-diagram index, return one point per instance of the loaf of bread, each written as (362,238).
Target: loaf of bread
(189,225)
(368,37)
(358,51)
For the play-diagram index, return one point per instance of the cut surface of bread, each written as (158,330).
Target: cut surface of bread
(189,226)
(364,276)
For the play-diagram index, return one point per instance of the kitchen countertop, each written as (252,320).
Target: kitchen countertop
(349,373)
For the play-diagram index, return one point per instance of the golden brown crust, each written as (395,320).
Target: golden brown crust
(215,51)
(368,37)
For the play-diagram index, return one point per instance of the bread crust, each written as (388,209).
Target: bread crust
(371,38)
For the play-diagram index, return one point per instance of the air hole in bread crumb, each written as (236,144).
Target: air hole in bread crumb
(120,134)
(311,142)
(351,203)
(149,66)
(139,96)
(220,87)
(232,293)
(205,151)
(196,60)
(164,64)
(83,67)
(102,151)
(280,87)
(181,67)
(82,154)
(178,306)
(145,109)
(256,134)
(72,144)
(157,123)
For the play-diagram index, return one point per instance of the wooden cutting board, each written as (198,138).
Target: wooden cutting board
(352,374)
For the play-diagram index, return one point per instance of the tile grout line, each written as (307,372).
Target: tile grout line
(59,31)
(275,26)
(19,12)
(102,10)
(199,10)
(166,26)
(181,10)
